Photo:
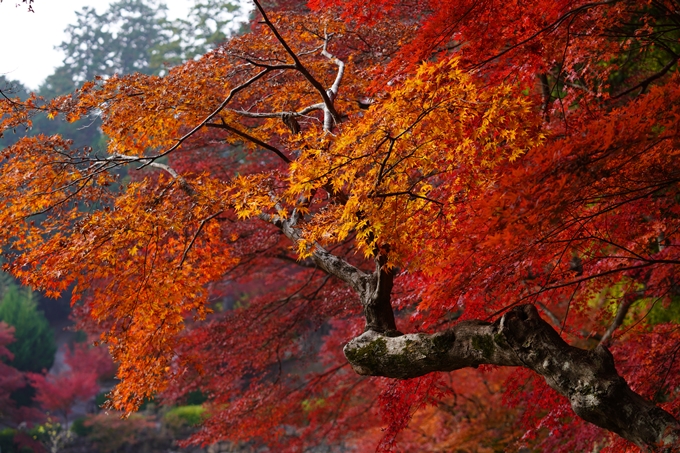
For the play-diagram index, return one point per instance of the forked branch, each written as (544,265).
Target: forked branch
(327,100)
(208,118)
(330,116)
(621,313)
(588,379)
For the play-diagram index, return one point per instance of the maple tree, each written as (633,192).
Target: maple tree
(458,168)
(58,392)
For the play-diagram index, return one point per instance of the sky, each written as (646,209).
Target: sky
(27,40)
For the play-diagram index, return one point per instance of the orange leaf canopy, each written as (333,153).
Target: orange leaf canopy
(489,154)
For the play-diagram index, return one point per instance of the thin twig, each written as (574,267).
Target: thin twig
(645,83)
(205,121)
(193,239)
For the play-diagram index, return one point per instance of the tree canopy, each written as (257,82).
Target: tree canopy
(403,190)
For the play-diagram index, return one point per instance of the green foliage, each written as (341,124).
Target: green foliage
(79,428)
(8,445)
(196,398)
(58,83)
(120,40)
(7,440)
(80,336)
(6,281)
(130,36)
(183,416)
(13,88)
(208,24)
(34,344)
(311,404)
(662,313)
(50,434)
(136,36)
(640,56)
(83,133)
(100,399)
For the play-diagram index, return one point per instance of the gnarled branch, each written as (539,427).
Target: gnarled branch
(596,392)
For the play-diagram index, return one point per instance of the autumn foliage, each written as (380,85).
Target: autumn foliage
(473,156)
(58,392)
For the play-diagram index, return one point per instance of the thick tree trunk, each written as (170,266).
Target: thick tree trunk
(521,338)
(597,393)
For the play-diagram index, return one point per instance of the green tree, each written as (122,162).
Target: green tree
(136,36)
(131,36)
(121,40)
(58,83)
(34,344)
(13,88)
(208,24)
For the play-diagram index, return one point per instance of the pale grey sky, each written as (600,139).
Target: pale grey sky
(27,40)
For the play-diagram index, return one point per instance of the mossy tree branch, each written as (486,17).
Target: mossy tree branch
(596,392)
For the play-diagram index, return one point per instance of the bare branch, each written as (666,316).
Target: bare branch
(328,102)
(341,67)
(645,83)
(193,239)
(147,163)
(302,112)
(207,119)
(333,90)
(621,313)
(250,138)
(271,67)
(311,108)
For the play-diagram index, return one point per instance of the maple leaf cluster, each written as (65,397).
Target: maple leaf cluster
(427,165)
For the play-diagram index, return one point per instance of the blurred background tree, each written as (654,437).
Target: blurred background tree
(122,40)
(34,346)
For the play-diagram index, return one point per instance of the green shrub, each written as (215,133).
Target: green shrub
(7,440)
(184,416)
(8,444)
(665,312)
(196,398)
(100,399)
(79,428)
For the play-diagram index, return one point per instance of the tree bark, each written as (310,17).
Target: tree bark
(588,379)
(597,393)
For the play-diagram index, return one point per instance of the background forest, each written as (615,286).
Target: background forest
(407,226)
